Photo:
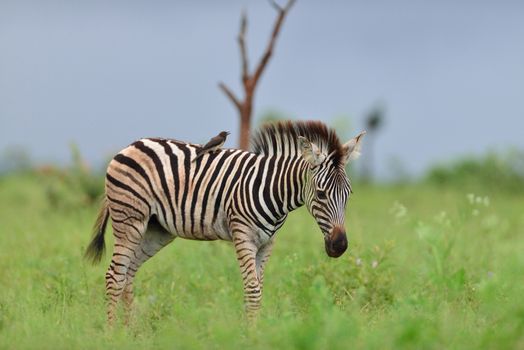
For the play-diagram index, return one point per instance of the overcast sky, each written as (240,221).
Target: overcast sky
(104,73)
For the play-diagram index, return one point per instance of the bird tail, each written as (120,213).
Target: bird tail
(199,153)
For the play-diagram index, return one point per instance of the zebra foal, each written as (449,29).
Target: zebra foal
(155,192)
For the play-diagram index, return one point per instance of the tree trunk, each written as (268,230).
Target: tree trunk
(245,127)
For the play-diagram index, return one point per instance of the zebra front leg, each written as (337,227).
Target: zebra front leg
(262,257)
(246,252)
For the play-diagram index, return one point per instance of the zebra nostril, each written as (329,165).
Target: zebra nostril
(340,244)
(336,243)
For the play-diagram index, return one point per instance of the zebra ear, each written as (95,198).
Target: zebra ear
(352,148)
(310,151)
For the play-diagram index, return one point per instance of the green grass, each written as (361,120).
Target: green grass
(426,268)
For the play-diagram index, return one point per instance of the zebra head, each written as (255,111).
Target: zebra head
(327,190)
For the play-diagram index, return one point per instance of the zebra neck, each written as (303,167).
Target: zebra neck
(288,183)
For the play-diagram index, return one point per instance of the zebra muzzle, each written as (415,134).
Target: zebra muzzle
(336,243)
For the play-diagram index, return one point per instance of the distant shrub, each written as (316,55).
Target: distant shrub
(498,172)
(84,179)
(73,186)
(15,159)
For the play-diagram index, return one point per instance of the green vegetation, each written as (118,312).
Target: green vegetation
(428,267)
(492,171)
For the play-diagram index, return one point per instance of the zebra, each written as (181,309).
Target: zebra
(154,192)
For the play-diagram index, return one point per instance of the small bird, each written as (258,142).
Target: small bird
(213,145)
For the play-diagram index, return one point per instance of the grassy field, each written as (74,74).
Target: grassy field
(426,268)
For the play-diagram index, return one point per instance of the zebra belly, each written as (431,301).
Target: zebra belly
(192,227)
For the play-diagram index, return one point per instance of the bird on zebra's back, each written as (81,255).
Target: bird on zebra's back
(154,194)
(212,145)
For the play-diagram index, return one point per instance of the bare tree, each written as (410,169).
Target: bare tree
(250,80)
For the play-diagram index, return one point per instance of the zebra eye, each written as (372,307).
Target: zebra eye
(321,194)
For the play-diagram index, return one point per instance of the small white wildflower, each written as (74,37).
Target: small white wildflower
(423,231)
(398,210)
(475,212)
(374,264)
(442,218)
(486,201)
(358,262)
(291,258)
(471,198)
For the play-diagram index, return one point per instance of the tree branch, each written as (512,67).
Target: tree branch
(230,94)
(242,45)
(276,6)
(288,5)
(269,49)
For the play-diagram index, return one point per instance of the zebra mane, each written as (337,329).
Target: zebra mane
(281,138)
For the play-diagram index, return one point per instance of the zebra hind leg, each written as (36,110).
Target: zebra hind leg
(128,234)
(154,239)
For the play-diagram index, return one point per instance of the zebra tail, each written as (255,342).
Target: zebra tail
(96,248)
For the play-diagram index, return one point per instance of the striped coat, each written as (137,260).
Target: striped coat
(155,192)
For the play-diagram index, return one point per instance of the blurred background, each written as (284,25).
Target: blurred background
(442,82)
